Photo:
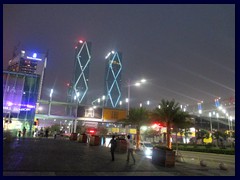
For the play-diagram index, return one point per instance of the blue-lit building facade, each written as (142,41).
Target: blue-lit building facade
(113,79)
(78,88)
(22,84)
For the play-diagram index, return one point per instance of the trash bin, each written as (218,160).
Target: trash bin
(94,141)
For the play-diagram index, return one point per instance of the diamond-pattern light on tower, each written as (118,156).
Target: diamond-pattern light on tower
(113,78)
(81,72)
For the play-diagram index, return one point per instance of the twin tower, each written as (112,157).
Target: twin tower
(78,87)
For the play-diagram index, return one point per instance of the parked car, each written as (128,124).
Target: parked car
(146,147)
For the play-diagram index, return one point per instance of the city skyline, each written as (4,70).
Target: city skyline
(185,52)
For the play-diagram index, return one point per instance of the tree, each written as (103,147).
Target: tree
(201,134)
(137,117)
(170,112)
(151,133)
(219,135)
(182,123)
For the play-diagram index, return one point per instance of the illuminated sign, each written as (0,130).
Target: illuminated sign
(132,131)
(89,112)
(34,57)
(115,130)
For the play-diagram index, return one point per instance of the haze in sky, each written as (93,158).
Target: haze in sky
(185,52)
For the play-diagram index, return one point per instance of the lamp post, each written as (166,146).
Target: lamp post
(103,99)
(200,111)
(74,125)
(129,85)
(210,115)
(231,126)
(217,115)
(50,102)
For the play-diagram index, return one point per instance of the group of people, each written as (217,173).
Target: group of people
(130,147)
(35,133)
(22,133)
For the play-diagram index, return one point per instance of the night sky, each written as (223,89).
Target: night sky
(186,52)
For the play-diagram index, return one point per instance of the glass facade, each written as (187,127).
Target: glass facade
(113,79)
(20,94)
(79,86)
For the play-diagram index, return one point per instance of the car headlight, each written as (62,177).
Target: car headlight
(148,152)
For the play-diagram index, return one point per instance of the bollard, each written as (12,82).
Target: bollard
(223,166)
(203,163)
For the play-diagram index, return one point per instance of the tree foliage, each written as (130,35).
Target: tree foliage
(170,113)
(137,117)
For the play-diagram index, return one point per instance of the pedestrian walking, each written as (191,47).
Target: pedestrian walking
(41,132)
(113,143)
(130,148)
(55,134)
(24,131)
(19,133)
(46,132)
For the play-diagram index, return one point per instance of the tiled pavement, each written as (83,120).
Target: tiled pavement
(49,157)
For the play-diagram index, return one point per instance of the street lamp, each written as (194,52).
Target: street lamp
(217,115)
(103,98)
(200,111)
(74,125)
(210,115)
(50,102)
(129,85)
(231,126)
(148,103)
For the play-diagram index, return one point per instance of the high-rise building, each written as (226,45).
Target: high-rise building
(28,62)
(77,91)
(22,85)
(113,79)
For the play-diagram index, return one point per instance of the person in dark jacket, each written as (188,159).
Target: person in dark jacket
(113,143)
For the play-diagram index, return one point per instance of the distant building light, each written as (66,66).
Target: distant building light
(34,58)
(9,103)
(25,109)
(107,55)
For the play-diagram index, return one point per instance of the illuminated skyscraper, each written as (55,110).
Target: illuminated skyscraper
(28,62)
(79,86)
(113,78)
(22,85)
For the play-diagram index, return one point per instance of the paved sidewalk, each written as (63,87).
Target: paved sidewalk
(49,157)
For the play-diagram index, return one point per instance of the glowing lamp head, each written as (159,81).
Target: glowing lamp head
(81,41)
